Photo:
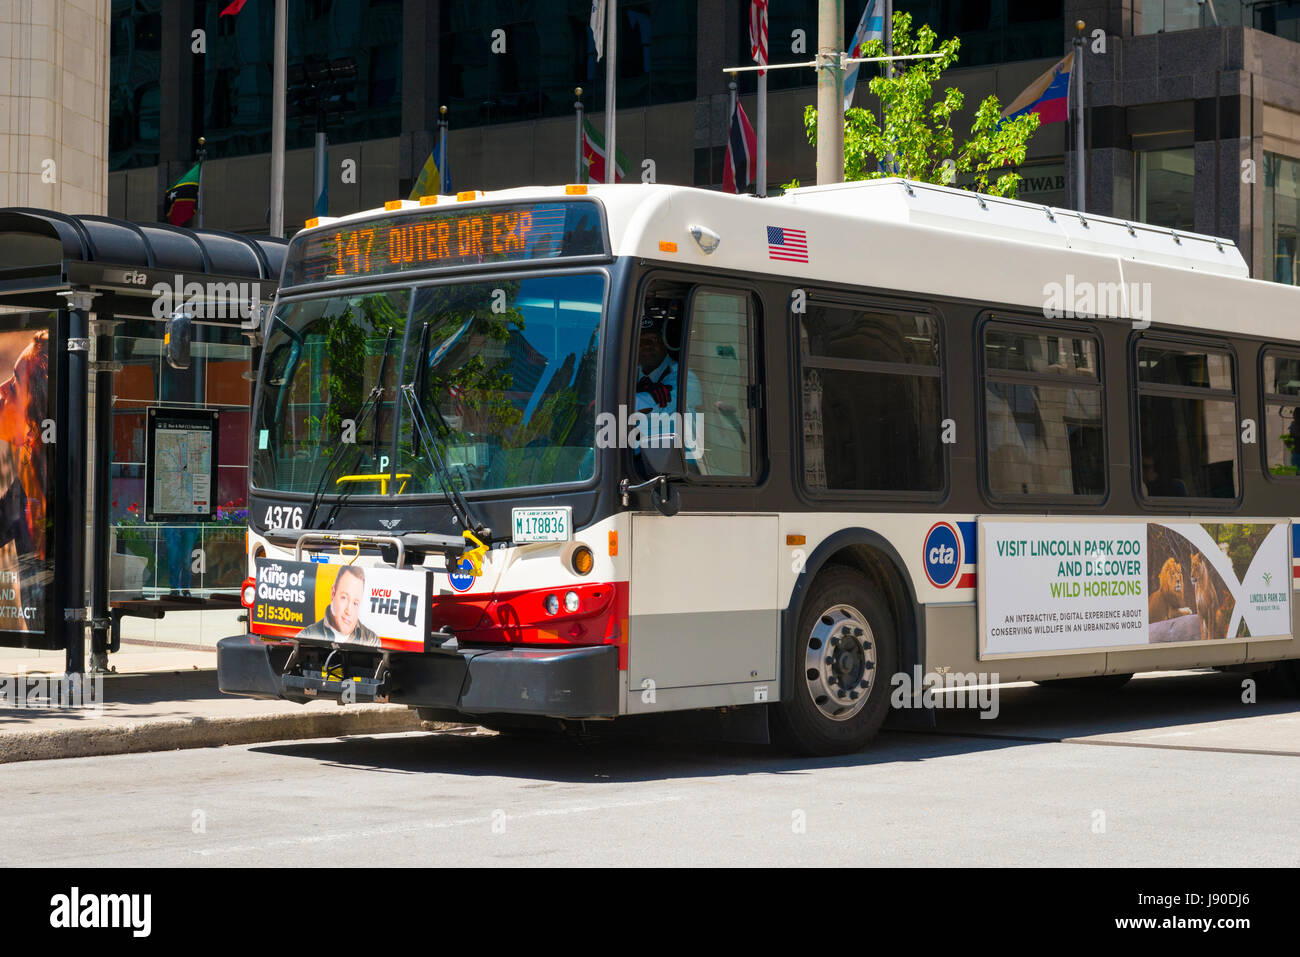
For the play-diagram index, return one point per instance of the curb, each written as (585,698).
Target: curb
(181,734)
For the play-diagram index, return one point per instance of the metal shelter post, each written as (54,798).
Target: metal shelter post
(70,437)
(101,544)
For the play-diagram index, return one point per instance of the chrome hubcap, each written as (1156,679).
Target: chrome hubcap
(840,662)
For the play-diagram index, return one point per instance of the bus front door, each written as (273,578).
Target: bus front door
(702,619)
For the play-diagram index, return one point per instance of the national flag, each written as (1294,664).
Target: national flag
(742,150)
(234,8)
(593,155)
(1048,96)
(758,32)
(183,197)
(598,25)
(786,244)
(430,180)
(870,27)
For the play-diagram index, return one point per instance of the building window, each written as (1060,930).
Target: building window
(1043,428)
(872,399)
(1281,217)
(1166,194)
(1187,415)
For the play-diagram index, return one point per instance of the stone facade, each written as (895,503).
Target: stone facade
(54,104)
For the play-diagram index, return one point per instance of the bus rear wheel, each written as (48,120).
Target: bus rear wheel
(844,650)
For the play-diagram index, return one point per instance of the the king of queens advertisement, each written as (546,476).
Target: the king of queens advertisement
(1057,586)
(374,606)
(26,480)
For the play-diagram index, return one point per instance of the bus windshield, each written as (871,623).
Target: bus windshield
(504,373)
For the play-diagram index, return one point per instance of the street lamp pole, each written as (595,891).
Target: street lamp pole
(830,92)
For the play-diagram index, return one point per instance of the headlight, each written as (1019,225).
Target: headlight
(571,601)
(552,605)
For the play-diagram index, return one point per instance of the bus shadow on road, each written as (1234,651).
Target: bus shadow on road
(1186,711)
(1183,711)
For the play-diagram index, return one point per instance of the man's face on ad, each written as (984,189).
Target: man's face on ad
(345,603)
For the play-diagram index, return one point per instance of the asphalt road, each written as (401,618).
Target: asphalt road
(1170,771)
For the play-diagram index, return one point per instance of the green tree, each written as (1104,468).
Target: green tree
(916,140)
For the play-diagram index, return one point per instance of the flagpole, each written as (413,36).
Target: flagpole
(761,183)
(888,28)
(203,152)
(577,135)
(444,186)
(889,36)
(611,80)
(731,116)
(1080,191)
(278,95)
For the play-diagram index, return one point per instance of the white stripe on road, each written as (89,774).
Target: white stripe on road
(427,826)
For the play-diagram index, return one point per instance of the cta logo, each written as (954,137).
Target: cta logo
(941,554)
(462,577)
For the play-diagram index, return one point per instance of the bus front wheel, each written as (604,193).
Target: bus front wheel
(844,651)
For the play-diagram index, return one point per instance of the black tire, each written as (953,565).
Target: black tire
(1090,683)
(800,722)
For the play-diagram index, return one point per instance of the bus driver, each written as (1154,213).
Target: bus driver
(656,389)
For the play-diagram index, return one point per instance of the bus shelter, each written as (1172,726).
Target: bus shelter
(123,477)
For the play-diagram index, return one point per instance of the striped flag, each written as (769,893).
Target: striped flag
(593,155)
(742,151)
(758,33)
(1048,96)
(431,177)
(183,197)
(787,245)
(870,27)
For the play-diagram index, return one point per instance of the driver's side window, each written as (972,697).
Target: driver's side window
(719,364)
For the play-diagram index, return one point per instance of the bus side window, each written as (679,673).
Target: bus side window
(1281,432)
(1187,421)
(872,399)
(718,420)
(1043,425)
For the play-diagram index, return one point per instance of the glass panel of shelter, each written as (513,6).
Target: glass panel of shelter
(152,559)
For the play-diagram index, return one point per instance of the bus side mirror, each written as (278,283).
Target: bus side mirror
(177,338)
(667,460)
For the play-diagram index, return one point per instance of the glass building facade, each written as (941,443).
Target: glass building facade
(1281,216)
(529,69)
(135,90)
(990,31)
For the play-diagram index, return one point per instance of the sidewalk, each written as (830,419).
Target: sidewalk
(162,699)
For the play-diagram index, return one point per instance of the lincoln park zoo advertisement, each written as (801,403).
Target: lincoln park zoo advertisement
(1057,586)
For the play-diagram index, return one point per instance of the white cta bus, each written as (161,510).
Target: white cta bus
(571,454)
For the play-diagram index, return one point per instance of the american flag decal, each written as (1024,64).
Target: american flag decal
(786,244)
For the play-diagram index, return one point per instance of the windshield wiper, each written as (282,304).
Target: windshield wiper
(458,503)
(369,405)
